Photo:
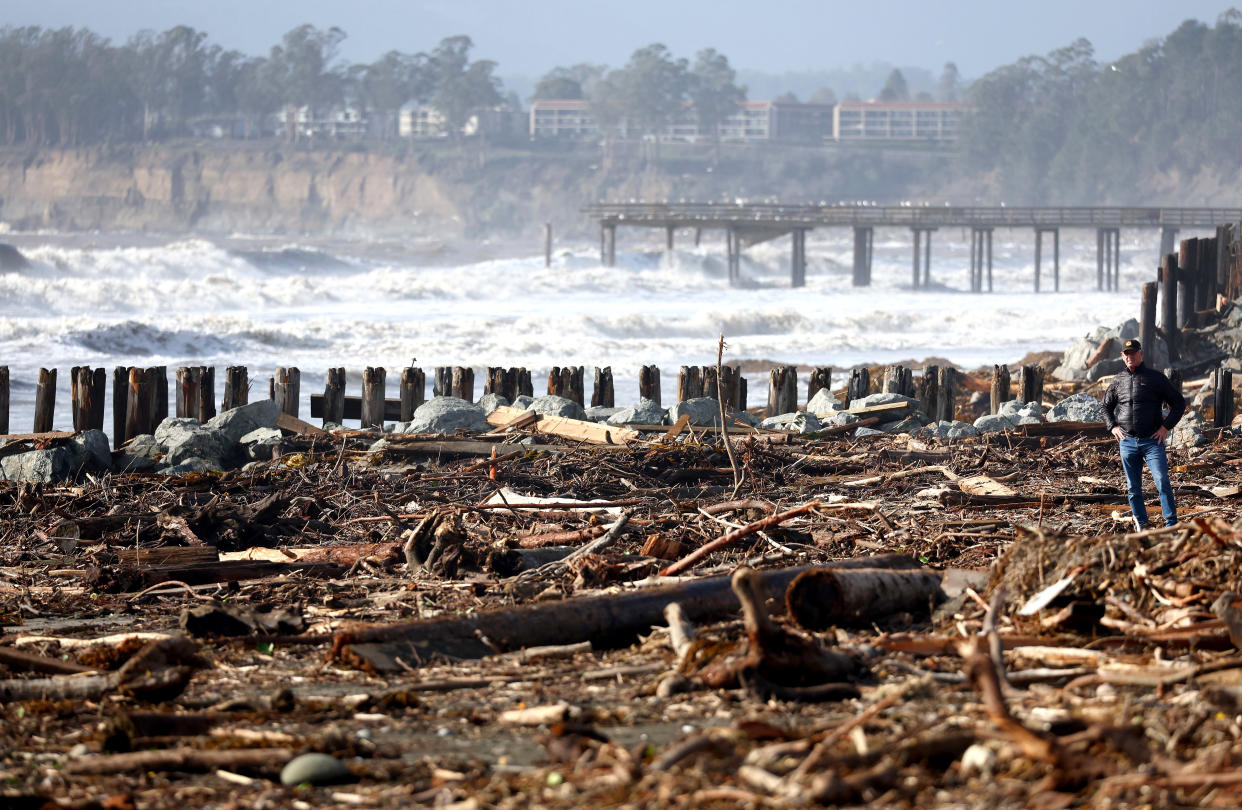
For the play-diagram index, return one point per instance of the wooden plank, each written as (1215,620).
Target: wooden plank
(681,424)
(880,410)
(34,437)
(984,485)
(567,428)
(295,425)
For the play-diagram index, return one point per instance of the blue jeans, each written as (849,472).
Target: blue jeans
(1134,452)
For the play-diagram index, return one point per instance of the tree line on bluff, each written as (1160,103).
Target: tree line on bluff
(1055,128)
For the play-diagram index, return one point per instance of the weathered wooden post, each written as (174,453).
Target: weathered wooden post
(649,383)
(413,390)
(782,390)
(859,385)
(1031,384)
(1222,397)
(734,387)
(500,382)
(1187,279)
(287,387)
(929,389)
(334,397)
(188,380)
(236,387)
(4,400)
(1168,309)
(525,387)
(1205,298)
(689,383)
(711,386)
(45,400)
(373,384)
(88,390)
(120,404)
(463,383)
(946,394)
(1147,316)
(207,394)
(820,378)
(159,395)
(442,385)
(1000,387)
(740,400)
(602,395)
(138,415)
(898,380)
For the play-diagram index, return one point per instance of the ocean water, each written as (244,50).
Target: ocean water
(116,299)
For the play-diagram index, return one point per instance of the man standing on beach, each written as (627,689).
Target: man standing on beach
(1133,412)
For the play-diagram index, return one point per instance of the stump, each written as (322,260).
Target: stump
(373,382)
(782,390)
(820,379)
(45,400)
(334,397)
(286,389)
(1031,384)
(463,383)
(413,389)
(898,380)
(602,396)
(88,389)
(1000,387)
(649,383)
(689,383)
(859,385)
(236,388)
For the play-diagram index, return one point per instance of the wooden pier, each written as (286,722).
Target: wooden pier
(747,224)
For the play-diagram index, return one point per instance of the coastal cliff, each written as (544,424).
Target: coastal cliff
(438,189)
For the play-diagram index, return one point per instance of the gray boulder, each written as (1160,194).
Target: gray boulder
(142,454)
(39,466)
(1077,408)
(824,402)
(993,423)
(884,399)
(599,413)
(799,422)
(235,423)
(174,429)
(445,415)
(1013,410)
(840,418)
(189,465)
(948,431)
(909,424)
(259,442)
(1104,368)
(1189,431)
(705,412)
(91,451)
(522,401)
(210,445)
(866,431)
(646,412)
(1029,420)
(490,402)
(553,405)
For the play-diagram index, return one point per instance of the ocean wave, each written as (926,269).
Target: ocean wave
(134,339)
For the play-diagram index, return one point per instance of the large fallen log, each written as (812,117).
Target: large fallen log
(820,598)
(603,620)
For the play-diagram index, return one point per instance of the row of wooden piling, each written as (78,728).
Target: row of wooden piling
(140,396)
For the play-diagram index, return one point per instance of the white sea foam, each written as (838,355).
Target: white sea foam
(110,299)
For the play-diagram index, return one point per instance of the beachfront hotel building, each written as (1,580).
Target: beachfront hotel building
(753,121)
(897,120)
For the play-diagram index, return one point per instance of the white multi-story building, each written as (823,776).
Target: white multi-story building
(897,120)
(752,121)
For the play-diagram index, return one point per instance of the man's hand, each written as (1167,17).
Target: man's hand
(1119,433)
(1160,434)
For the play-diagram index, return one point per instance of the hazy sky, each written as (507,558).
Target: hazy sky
(527,37)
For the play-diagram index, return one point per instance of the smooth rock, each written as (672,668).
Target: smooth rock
(1013,409)
(210,445)
(553,405)
(866,431)
(646,412)
(235,423)
(993,423)
(314,769)
(522,401)
(601,414)
(445,415)
(262,434)
(884,399)
(703,411)
(1105,368)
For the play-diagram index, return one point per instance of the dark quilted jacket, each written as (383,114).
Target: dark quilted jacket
(1134,399)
